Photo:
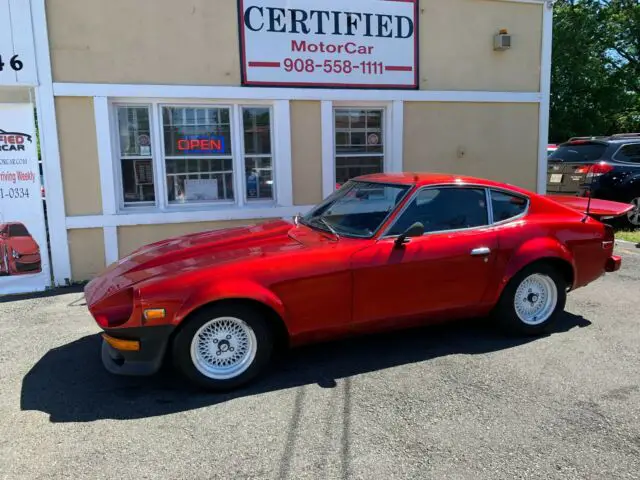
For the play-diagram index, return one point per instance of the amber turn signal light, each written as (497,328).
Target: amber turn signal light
(120,344)
(154,313)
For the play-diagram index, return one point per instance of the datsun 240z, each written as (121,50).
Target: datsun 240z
(383,252)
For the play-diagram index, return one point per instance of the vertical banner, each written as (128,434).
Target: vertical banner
(24,261)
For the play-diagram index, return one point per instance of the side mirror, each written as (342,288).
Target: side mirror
(415,230)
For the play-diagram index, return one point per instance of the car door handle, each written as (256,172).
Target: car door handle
(481,251)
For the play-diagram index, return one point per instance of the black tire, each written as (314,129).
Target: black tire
(181,348)
(505,312)
(626,221)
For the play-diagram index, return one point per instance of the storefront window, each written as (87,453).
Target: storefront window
(359,148)
(258,161)
(198,154)
(136,160)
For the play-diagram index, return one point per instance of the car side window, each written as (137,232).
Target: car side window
(445,208)
(506,206)
(629,153)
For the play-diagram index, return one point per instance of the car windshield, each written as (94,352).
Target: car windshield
(358,209)
(18,230)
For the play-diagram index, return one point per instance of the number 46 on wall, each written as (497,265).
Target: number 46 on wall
(15,64)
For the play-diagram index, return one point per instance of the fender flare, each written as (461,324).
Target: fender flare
(535,250)
(233,289)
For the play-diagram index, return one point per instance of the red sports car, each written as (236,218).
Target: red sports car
(383,252)
(19,252)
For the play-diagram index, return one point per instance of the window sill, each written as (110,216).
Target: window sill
(154,216)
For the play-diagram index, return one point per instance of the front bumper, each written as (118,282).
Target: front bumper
(613,263)
(145,361)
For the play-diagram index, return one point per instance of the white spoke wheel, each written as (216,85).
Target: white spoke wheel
(223,346)
(533,299)
(633,216)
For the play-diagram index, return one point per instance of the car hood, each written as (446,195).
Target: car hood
(24,245)
(192,252)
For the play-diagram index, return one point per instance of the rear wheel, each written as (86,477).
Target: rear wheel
(633,216)
(532,300)
(223,347)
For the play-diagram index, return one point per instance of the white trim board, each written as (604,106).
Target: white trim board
(48,130)
(182,216)
(545,103)
(251,93)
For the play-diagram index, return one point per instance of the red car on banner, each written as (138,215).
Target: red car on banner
(19,252)
(385,251)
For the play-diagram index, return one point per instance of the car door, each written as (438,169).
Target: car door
(446,270)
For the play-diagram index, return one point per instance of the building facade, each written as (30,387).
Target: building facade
(158,117)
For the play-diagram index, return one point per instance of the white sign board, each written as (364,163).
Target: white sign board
(201,189)
(17,52)
(24,260)
(332,43)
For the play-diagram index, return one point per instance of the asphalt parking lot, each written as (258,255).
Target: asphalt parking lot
(459,401)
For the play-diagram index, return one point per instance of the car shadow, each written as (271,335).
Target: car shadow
(70,384)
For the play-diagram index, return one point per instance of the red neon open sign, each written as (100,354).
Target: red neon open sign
(201,144)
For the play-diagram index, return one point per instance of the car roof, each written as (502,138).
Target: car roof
(424,178)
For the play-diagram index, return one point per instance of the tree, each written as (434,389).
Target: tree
(595,82)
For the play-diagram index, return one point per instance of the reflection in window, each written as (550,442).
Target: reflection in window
(359,146)
(440,209)
(506,206)
(198,154)
(258,160)
(136,160)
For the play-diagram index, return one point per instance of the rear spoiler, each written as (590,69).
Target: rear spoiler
(598,209)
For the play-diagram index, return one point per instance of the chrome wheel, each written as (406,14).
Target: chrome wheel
(223,348)
(535,299)
(634,215)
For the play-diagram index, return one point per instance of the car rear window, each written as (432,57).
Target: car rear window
(18,231)
(506,206)
(581,152)
(629,153)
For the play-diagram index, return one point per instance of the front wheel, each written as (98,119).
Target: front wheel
(532,300)
(223,347)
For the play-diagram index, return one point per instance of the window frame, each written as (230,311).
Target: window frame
(163,157)
(385,125)
(488,206)
(123,206)
(513,194)
(158,156)
(272,155)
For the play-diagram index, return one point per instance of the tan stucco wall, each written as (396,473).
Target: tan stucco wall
(500,140)
(14,95)
(306,152)
(133,237)
(456,45)
(195,42)
(188,42)
(79,155)
(86,249)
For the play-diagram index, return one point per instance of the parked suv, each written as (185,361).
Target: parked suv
(604,167)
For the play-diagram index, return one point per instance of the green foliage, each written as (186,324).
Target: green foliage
(595,81)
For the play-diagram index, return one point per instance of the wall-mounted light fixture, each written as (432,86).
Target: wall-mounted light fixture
(502,40)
